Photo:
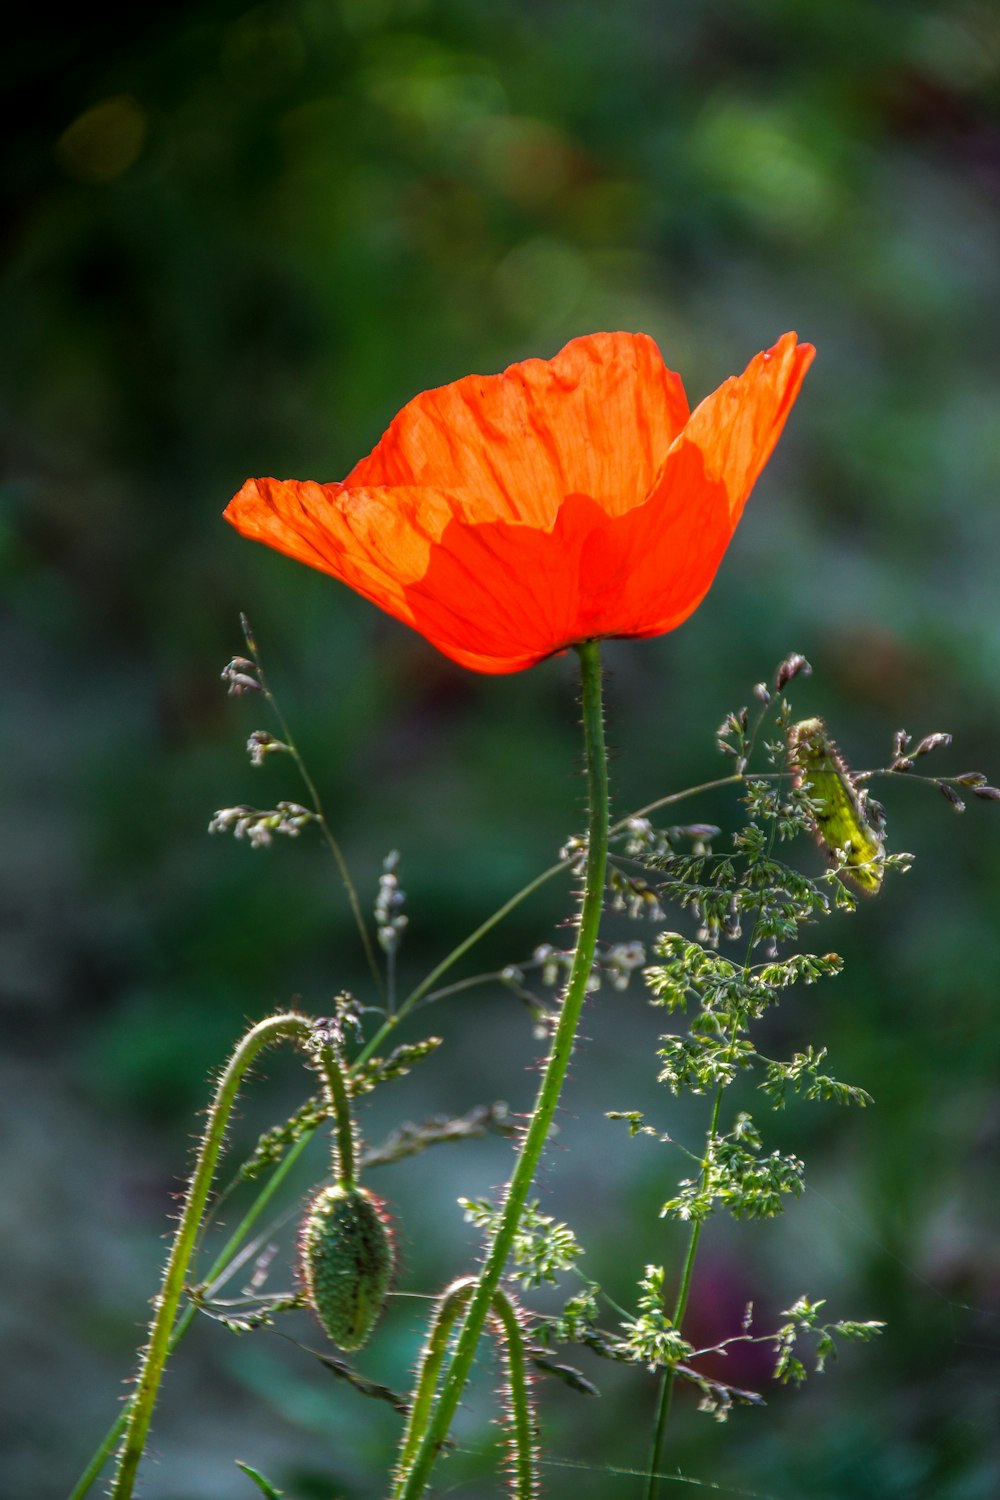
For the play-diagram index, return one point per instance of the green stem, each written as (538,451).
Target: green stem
(521,1428)
(449,961)
(520,1431)
(680,1308)
(274,1029)
(457,1374)
(317,807)
(427,984)
(451,1303)
(329,1062)
(672,797)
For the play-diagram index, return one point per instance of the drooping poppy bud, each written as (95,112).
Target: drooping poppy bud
(346,1262)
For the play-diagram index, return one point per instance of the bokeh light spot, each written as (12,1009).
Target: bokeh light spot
(103,142)
(541,281)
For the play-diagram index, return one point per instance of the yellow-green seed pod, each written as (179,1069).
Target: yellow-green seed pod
(842,823)
(347,1262)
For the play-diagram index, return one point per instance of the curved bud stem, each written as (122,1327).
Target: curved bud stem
(327,1056)
(520,1423)
(520,1420)
(453,1301)
(274,1029)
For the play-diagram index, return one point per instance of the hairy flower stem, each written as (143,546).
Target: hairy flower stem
(426,985)
(452,1302)
(329,1064)
(274,1029)
(521,1441)
(440,1418)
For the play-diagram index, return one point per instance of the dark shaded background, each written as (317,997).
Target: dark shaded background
(237,240)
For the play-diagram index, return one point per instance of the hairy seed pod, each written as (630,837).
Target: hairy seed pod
(839,806)
(347,1262)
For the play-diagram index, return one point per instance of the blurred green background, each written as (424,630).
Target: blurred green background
(237,240)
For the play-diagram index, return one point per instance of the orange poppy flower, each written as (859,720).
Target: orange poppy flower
(508,517)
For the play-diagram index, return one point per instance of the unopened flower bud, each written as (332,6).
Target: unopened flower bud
(900,761)
(240,676)
(931,742)
(347,1262)
(789,668)
(950,795)
(261,744)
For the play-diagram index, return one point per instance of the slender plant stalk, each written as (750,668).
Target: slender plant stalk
(317,808)
(669,1377)
(672,797)
(457,1373)
(522,1443)
(452,1302)
(428,983)
(274,1029)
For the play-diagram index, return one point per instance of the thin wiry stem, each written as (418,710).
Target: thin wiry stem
(427,984)
(317,809)
(669,1376)
(692,791)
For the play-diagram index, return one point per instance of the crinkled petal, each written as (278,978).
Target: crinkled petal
(375,541)
(737,426)
(647,571)
(596,420)
(509,517)
(499,597)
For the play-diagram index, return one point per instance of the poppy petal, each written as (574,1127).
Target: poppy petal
(509,517)
(375,541)
(596,420)
(652,567)
(499,596)
(737,426)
